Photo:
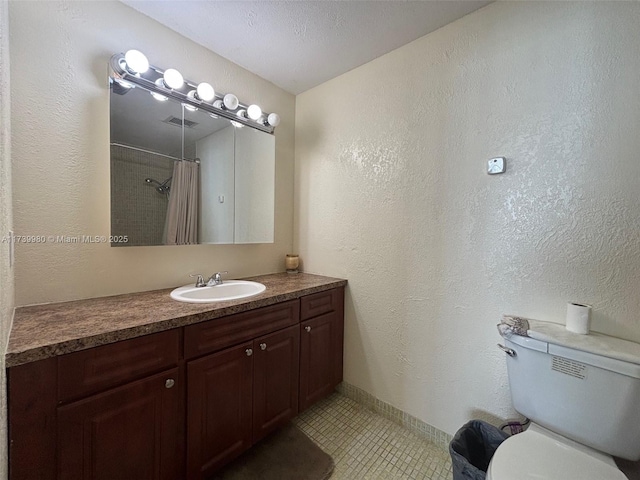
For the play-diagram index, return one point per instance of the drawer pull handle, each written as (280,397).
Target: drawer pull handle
(263,346)
(170,382)
(307,328)
(249,352)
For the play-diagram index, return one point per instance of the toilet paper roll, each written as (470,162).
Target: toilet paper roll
(578,318)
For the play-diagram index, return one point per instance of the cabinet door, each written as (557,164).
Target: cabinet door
(320,358)
(218,409)
(276,371)
(31,389)
(128,432)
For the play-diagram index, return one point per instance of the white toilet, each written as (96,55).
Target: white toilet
(584,407)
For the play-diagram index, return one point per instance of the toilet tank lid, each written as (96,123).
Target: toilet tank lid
(594,343)
(614,365)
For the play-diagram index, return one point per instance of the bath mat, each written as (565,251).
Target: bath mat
(630,469)
(287,454)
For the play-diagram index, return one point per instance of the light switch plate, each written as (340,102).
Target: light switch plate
(496,165)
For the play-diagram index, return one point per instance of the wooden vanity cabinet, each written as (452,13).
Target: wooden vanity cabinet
(110,412)
(276,361)
(239,394)
(124,433)
(321,344)
(175,404)
(32,403)
(219,409)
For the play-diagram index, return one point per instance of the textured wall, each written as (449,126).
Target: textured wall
(6,272)
(60,116)
(392,193)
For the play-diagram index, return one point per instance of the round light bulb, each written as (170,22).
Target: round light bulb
(230,101)
(273,119)
(124,83)
(254,112)
(157,96)
(205,92)
(173,78)
(136,61)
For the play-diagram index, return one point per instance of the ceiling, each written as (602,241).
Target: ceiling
(300,44)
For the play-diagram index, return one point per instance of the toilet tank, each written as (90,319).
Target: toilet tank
(589,398)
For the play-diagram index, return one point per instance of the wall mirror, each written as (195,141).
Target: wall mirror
(181,175)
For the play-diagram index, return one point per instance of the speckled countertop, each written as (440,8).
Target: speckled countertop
(43,331)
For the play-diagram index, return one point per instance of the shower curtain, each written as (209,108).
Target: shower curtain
(181,225)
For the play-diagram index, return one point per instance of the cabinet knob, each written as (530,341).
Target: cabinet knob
(263,346)
(249,352)
(307,328)
(169,382)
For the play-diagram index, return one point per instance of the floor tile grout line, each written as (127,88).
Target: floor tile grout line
(354,435)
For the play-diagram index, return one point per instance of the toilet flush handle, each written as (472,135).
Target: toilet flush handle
(508,351)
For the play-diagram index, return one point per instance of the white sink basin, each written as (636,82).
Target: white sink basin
(229,290)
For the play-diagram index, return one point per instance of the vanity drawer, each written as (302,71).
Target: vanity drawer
(320,303)
(88,371)
(224,332)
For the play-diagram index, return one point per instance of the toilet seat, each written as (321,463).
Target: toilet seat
(541,454)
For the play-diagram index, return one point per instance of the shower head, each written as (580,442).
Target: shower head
(161,188)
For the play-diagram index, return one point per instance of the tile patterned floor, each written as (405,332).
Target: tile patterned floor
(366,446)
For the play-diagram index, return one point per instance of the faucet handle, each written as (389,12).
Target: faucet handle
(216,279)
(199,281)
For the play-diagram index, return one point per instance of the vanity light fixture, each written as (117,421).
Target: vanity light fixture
(173,79)
(125,84)
(205,92)
(273,119)
(191,108)
(159,97)
(134,68)
(254,112)
(192,95)
(136,61)
(230,101)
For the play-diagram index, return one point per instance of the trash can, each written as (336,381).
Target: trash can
(472,447)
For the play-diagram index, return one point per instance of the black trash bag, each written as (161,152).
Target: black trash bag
(472,447)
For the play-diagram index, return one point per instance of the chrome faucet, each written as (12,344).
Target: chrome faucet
(215,279)
(199,281)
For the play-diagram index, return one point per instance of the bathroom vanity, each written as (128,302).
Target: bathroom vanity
(141,386)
